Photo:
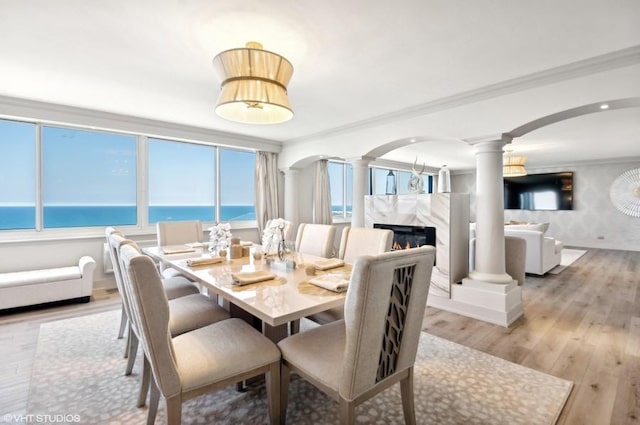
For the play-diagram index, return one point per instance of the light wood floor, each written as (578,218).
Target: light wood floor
(582,325)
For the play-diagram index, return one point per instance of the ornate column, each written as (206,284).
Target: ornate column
(489,293)
(490,260)
(291,176)
(360,178)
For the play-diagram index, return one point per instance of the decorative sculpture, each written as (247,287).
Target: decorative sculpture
(415,182)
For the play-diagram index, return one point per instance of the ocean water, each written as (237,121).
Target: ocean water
(110,215)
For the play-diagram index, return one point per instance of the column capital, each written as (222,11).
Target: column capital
(500,138)
(360,161)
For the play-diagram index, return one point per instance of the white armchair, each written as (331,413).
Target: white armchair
(543,252)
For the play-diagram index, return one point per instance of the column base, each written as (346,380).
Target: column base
(497,303)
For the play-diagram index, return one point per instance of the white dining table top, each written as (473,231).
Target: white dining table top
(288,297)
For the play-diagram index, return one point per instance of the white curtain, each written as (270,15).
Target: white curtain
(267,207)
(322,194)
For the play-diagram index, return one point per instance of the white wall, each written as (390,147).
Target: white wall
(594,222)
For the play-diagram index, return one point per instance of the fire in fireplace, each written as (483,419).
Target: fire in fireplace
(405,237)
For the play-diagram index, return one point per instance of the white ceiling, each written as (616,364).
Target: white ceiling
(443,69)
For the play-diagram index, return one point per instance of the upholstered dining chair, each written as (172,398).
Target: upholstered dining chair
(375,346)
(198,361)
(177,233)
(515,250)
(357,241)
(354,243)
(187,312)
(175,287)
(315,239)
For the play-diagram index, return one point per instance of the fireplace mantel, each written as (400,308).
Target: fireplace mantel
(447,212)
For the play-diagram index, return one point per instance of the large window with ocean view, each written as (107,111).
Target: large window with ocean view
(182,181)
(88,178)
(341,182)
(17,175)
(237,185)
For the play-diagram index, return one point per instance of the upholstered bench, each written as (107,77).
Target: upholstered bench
(18,289)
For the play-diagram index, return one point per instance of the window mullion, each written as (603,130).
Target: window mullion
(38,164)
(218,209)
(142,181)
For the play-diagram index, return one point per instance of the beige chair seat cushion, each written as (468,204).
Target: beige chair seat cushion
(193,311)
(221,351)
(319,352)
(179,286)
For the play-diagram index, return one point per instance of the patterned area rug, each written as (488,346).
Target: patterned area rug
(79,371)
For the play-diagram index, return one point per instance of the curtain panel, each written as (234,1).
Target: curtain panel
(266,185)
(322,194)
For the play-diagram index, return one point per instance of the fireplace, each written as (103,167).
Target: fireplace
(405,236)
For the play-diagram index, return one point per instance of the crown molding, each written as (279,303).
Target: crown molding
(609,61)
(52,113)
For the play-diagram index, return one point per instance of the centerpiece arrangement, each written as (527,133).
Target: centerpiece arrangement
(219,238)
(273,237)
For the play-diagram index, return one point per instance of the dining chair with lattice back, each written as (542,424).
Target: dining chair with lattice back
(177,233)
(375,346)
(187,312)
(199,361)
(355,242)
(175,287)
(316,239)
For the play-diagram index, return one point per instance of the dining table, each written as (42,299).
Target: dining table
(286,298)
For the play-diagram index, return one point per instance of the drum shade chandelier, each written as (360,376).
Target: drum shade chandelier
(513,165)
(254,85)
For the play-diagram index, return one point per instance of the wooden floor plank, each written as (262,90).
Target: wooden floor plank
(582,325)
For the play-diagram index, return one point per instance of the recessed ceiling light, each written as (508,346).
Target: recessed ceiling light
(412,140)
(604,106)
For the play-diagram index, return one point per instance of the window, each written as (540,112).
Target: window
(17,175)
(91,178)
(182,180)
(341,182)
(88,178)
(237,185)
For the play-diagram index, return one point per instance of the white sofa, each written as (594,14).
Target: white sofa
(543,252)
(18,289)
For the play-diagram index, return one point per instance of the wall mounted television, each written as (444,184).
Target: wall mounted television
(549,191)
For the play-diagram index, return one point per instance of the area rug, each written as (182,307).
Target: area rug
(78,373)
(569,256)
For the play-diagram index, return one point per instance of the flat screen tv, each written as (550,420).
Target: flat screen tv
(550,191)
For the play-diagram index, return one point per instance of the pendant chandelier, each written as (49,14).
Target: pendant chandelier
(513,165)
(254,85)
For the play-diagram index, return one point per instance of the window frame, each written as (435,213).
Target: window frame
(142,227)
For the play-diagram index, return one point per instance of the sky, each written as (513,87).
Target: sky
(96,168)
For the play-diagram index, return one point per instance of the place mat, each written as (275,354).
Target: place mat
(177,249)
(245,278)
(330,263)
(205,261)
(331,282)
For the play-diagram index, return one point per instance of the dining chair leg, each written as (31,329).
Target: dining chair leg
(123,323)
(147,378)
(273,392)
(284,392)
(347,412)
(131,357)
(128,344)
(406,390)
(154,400)
(174,410)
